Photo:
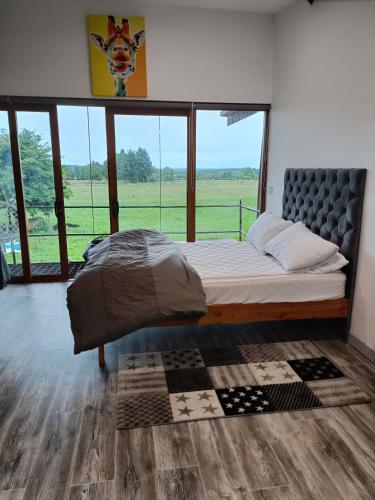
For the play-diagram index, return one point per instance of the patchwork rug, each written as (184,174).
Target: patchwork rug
(191,384)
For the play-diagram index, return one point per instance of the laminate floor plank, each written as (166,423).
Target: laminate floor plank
(23,435)
(173,446)
(363,375)
(71,393)
(182,484)
(8,408)
(356,431)
(279,493)
(51,471)
(218,463)
(12,494)
(93,491)
(340,353)
(136,475)
(257,460)
(101,391)
(354,459)
(95,460)
(310,462)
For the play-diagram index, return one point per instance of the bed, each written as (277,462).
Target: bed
(327,201)
(235,272)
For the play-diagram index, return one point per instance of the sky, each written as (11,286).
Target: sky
(82,137)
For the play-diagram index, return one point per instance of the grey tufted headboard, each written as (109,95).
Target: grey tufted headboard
(330,203)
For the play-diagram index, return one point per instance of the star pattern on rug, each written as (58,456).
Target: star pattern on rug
(182,398)
(205,395)
(185,411)
(196,406)
(156,388)
(142,363)
(182,358)
(310,369)
(244,400)
(273,372)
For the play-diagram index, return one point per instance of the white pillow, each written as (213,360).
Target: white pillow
(297,248)
(331,265)
(267,226)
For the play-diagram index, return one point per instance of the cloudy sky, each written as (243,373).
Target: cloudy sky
(82,135)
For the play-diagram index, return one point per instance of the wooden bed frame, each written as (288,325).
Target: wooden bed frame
(330,203)
(252,313)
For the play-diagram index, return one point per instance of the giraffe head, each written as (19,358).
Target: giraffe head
(120,49)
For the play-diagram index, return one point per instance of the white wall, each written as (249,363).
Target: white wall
(194,55)
(324,114)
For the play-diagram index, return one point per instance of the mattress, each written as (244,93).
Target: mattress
(236,273)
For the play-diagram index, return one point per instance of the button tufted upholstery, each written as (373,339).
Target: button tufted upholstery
(329,202)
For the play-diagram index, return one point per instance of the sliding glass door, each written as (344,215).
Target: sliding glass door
(42,202)
(149,185)
(71,173)
(38,186)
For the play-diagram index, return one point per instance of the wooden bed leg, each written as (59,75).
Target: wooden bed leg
(101,356)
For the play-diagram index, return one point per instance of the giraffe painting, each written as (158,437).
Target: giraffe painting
(119,48)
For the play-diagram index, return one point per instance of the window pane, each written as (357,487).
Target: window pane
(229,145)
(9,231)
(84,165)
(151,161)
(34,136)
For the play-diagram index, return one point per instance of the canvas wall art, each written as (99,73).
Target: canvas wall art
(118,56)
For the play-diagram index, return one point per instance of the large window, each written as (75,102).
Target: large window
(228,161)
(74,171)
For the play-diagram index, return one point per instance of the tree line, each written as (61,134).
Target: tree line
(132,166)
(136,167)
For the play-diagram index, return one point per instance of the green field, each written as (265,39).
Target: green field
(168,220)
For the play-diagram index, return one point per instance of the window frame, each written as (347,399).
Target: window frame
(113,106)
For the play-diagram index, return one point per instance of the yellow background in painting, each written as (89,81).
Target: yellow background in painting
(101,79)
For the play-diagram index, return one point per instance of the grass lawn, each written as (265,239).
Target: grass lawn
(168,220)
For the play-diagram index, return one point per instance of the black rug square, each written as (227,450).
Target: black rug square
(223,356)
(182,358)
(188,380)
(259,353)
(310,369)
(244,400)
(296,396)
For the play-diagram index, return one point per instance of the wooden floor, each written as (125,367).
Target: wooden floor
(59,441)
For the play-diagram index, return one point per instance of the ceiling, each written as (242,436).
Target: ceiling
(258,6)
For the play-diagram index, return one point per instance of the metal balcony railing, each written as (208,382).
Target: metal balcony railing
(239,232)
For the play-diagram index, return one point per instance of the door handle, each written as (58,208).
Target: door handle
(58,209)
(115,208)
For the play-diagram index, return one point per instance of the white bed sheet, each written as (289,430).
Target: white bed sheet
(235,273)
